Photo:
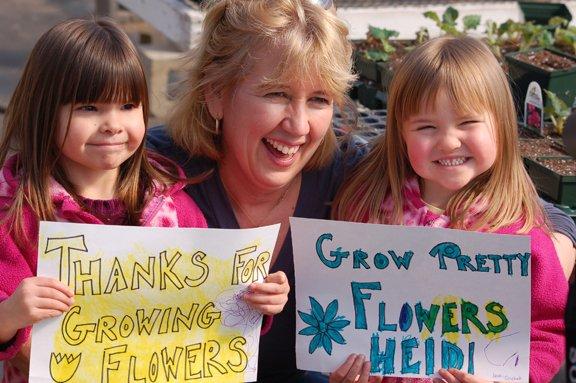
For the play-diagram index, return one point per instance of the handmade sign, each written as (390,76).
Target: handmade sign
(151,304)
(412,299)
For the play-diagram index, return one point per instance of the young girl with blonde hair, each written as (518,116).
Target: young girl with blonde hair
(450,158)
(73,151)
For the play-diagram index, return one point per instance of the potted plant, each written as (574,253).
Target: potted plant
(448,22)
(375,58)
(551,168)
(376,48)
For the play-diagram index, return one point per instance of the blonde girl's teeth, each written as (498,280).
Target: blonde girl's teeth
(452,162)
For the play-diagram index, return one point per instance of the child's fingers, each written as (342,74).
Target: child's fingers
(52,304)
(268,288)
(259,299)
(277,277)
(55,284)
(276,283)
(57,295)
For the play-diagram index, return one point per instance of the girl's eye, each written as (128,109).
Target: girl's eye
(425,127)
(471,122)
(87,108)
(129,106)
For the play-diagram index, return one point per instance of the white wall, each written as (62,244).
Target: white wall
(407,19)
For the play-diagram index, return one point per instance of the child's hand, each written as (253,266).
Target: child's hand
(37,298)
(269,297)
(456,376)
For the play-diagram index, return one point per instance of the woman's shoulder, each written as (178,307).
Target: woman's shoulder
(158,140)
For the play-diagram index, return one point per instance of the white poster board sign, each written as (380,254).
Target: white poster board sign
(151,304)
(412,299)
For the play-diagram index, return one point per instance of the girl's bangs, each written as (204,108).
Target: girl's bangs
(467,93)
(115,79)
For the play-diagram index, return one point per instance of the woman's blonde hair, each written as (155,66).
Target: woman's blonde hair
(466,70)
(76,61)
(313,43)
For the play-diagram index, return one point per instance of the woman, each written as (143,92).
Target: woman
(256,114)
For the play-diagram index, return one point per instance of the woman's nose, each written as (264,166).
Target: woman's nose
(297,120)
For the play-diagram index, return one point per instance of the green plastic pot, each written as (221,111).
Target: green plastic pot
(561,82)
(540,13)
(561,189)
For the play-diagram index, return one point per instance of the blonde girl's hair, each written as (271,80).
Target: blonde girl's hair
(470,75)
(313,42)
(75,62)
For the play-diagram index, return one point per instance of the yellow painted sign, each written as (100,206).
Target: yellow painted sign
(151,304)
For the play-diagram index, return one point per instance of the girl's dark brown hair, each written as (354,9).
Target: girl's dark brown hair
(76,61)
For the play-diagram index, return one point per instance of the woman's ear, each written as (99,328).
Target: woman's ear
(215,102)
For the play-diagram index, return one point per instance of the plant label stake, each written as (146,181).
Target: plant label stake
(533,108)
(569,135)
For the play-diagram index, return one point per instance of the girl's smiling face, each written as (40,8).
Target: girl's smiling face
(98,139)
(448,149)
(270,132)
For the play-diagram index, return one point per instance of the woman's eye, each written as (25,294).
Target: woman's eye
(321,100)
(277,95)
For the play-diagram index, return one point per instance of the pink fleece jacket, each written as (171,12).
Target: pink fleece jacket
(549,287)
(171,207)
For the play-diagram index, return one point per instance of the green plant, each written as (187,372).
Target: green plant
(558,111)
(378,39)
(564,36)
(448,23)
(422,35)
(535,35)
(513,36)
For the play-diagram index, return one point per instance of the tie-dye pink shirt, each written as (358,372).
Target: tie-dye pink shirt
(549,285)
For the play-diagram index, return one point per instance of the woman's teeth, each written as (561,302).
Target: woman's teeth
(452,161)
(284,149)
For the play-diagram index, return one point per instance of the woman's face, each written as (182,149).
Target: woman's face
(269,134)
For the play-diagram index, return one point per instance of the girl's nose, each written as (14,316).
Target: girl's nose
(449,142)
(110,124)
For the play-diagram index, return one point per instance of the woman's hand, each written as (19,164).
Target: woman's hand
(355,369)
(269,297)
(456,376)
(35,299)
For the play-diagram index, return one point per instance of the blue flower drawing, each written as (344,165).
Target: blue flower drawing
(325,326)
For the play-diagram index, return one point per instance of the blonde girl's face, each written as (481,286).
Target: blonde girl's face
(100,137)
(447,149)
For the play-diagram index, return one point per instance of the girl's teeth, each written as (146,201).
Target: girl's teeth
(286,150)
(452,162)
